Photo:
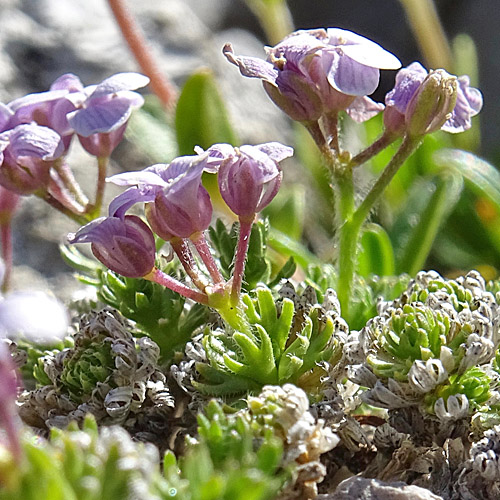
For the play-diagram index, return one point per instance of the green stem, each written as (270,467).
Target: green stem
(94,210)
(350,230)
(319,138)
(232,313)
(332,125)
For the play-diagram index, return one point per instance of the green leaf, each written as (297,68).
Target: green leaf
(483,177)
(291,248)
(201,118)
(287,211)
(150,131)
(376,255)
(430,203)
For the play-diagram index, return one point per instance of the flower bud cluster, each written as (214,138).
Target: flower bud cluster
(433,346)
(315,73)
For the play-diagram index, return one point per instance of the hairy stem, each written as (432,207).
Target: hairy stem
(374,149)
(183,252)
(241,255)
(158,276)
(332,126)
(201,245)
(136,41)
(6,237)
(350,230)
(68,179)
(102,167)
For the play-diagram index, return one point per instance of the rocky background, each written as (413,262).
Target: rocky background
(42,39)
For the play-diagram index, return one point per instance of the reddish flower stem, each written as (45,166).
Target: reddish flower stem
(158,276)
(200,243)
(136,41)
(6,237)
(241,255)
(55,203)
(69,181)
(185,256)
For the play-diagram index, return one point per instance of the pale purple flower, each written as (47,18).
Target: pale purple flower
(33,315)
(249,176)
(124,245)
(50,108)
(101,117)
(315,71)
(401,101)
(27,152)
(177,205)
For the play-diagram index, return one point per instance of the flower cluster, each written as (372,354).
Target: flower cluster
(179,210)
(36,132)
(315,73)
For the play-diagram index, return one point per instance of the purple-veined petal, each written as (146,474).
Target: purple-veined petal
(408,81)
(294,49)
(101,116)
(118,83)
(264,168)
(5,115)
(352,78)
(473,96)
(362,50)
(275,150)
(135,178)
(33,315)
(363,108)
(96,231)
(121,203)
(33,141)
(252,67)
(34,99)
(69,82)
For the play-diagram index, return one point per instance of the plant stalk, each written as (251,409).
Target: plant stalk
(350,230)
(158,276)
(136,41)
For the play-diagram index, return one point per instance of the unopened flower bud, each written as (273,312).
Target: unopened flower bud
(28,153)
(126,246)
(431,106)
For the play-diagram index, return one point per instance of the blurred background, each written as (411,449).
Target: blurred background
(42,39)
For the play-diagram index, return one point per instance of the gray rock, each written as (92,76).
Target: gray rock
(360,488)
